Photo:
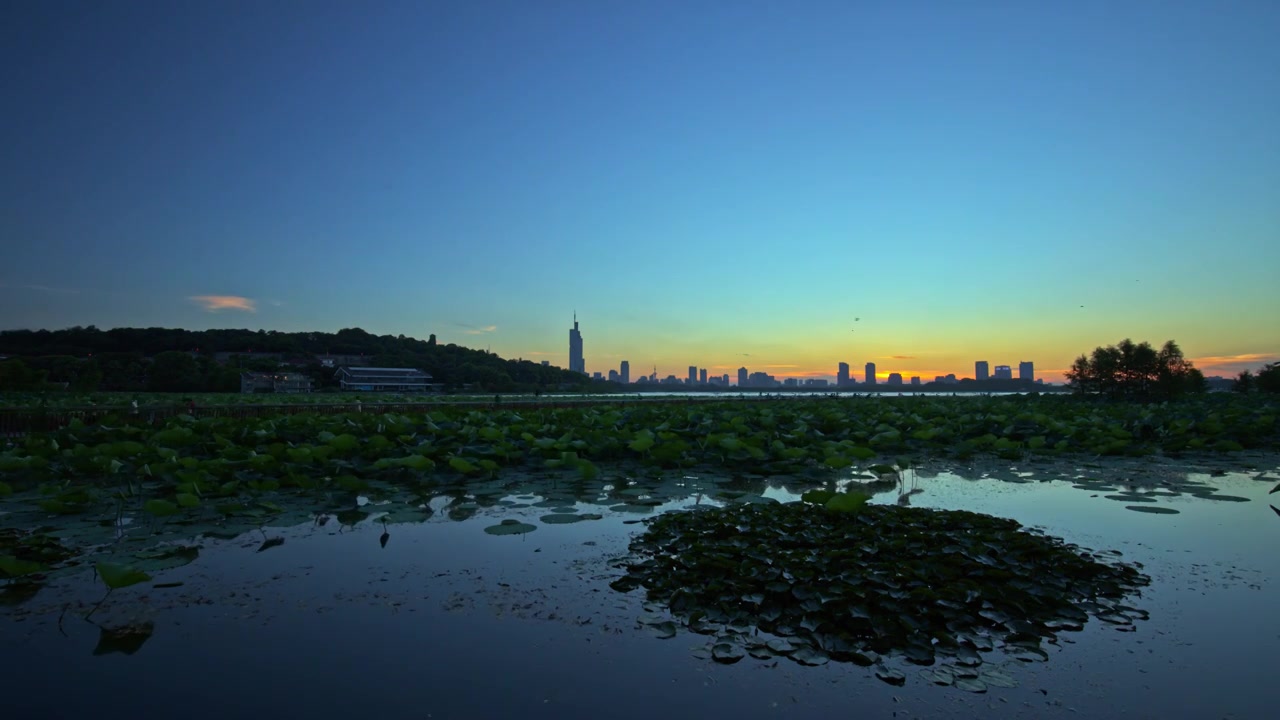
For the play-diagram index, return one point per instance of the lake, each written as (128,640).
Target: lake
(439,619)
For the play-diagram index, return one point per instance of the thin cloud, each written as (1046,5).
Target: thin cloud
(475,329)
(217,303)
(1233,363)
(780,366)
(898,357)
(41,288)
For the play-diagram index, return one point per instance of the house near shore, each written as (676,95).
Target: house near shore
(261,382)
(375,379)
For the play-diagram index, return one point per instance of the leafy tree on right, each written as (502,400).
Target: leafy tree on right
(1136,371)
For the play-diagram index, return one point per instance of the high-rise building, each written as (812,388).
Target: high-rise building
(842,375)
(871,374)
(742,377)
(702,376)
(1004,372)
(613,375)
(624,373)
(576,361)
(915,380)
(1026,370)
(724,379)
(693,375)
(980,371)
(595,375)
(895,379)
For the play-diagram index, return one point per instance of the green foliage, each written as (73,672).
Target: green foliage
(118,576)
(847,502)
(1268,379)
(1136,371)
(12,567)
(925,585)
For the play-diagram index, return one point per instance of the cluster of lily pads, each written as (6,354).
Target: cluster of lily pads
(831,580)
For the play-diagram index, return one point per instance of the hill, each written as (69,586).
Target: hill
(175,360)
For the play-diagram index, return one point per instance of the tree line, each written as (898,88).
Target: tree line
(1136,371)
(86,359)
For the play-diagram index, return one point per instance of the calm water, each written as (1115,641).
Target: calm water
(446,621)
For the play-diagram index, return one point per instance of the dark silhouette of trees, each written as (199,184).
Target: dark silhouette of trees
(174,360)
(1244,382)
(1136,371)
(1268,378)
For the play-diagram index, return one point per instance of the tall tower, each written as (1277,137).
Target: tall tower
(742,377)
(871,374)
(576,362)
(624,373)
(980,371)
(1026,371)
(702,376)
(842,376)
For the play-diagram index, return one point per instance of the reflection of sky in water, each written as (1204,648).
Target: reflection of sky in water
(449,622)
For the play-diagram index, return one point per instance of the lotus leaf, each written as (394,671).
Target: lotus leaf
(885,580)
(510,527)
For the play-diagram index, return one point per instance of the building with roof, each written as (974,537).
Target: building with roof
(274,382)
(376,379)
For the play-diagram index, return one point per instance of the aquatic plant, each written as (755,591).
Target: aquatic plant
(848,582)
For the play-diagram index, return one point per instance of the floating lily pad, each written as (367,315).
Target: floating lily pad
(842,586)
(727,653)
(117,576)
(510,527)
(810,656)
(1126,497)
(891,676)
(1221,498)
(561,518)
(125,639)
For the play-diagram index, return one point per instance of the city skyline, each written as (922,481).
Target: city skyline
(918,187)
(745,378)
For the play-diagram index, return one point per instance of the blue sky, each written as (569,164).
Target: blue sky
(710,183)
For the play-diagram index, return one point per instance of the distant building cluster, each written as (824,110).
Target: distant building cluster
(695,376)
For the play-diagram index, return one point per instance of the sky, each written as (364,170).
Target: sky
(781,186)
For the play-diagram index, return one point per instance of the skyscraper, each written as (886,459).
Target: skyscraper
(871,374)
(1004,372)
(576,361)
(742,377)
(895,378)
(624,373)
(842,376)
(1026,371)
(702,376)
(693,375)
(980,371)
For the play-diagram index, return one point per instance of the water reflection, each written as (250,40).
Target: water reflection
(536,612)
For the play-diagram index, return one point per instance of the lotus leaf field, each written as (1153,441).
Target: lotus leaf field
(836,581)
(820,578)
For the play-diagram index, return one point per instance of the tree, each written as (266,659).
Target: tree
(15,375)
(1268,378)
(1244,382)
(1135,371)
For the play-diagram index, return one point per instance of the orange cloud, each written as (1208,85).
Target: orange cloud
(1232,364)
(215,303)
